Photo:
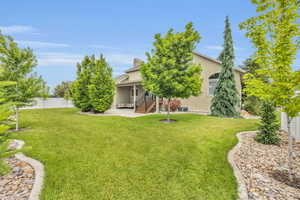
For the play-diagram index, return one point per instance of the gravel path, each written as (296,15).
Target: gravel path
(18,184)
(264,168)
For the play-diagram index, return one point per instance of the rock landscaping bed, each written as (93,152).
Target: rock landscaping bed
(18,184)
(264,168)
(25,180)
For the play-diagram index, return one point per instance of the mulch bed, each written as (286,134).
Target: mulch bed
(168,121)
(264,168)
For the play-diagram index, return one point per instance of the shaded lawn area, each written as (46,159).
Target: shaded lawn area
(95,158)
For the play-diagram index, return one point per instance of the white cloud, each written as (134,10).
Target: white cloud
(17,29)
(39,44)
(117,60)
(58,59)
(214,47)
(99,46)
(219,47)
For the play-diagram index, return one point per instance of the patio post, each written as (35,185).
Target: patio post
(134,97)
(157,104)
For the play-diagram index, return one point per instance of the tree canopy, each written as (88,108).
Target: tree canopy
(275,34)
(62,89)
(169,71)
(17,64)
(93,90)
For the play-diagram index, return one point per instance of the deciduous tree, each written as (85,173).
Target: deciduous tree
(17,65)
(275,34)
(61,89)
(169,71)
(251,104)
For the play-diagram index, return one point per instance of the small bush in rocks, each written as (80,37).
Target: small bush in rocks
(269,125)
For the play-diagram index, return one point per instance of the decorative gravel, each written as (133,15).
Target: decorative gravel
(18,184)
(264,168)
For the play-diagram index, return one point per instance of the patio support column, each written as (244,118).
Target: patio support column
(157,104)
(134,97)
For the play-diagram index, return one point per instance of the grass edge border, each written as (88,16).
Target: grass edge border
(242,189)
(38,171)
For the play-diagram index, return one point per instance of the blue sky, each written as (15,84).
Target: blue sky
(62,32)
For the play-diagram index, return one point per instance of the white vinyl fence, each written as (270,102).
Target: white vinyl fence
(295,126)
(50,103)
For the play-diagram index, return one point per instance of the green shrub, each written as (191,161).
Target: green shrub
(102,86)
(93,90)
(269,125)
(252,105)
(5,112)
(79,87)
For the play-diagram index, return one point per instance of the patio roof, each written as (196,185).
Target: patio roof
(129,83)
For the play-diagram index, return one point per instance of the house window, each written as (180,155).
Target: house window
(136,92)
(212,83)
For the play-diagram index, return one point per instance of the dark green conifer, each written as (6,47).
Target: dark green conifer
(226,97)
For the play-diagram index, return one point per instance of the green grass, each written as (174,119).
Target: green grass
(4,168)
(95,158)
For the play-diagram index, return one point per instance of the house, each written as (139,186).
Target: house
(131,94)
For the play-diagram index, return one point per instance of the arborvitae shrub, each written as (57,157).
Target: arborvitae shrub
(269,126)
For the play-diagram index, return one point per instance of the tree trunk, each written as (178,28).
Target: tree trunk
(290,148)
(17,118)
(168,116)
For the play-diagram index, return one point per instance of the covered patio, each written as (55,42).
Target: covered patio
(133,96)
(127,95)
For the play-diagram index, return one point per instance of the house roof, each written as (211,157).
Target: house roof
(122,77)
(132,69)
(136,68)
(207,57)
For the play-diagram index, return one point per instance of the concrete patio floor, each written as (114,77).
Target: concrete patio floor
(132,114)
(118,112)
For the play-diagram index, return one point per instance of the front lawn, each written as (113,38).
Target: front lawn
(117,158)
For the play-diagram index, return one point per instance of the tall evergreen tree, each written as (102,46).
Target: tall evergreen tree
(221,56)
(170,72)
(226,97)
(102,86)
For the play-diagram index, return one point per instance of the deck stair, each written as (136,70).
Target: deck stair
(145,104)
